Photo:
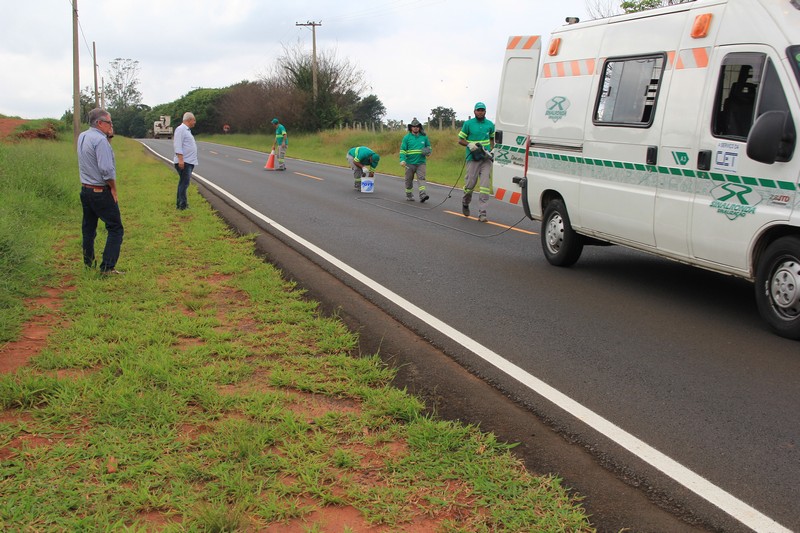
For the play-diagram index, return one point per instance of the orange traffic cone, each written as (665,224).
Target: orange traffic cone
(270,161)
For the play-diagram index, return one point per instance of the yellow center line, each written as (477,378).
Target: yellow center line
(244,160)
(493,223)
(308,176)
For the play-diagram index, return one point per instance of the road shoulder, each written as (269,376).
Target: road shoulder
(454,394)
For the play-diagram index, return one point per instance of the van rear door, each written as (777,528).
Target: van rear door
(520,70)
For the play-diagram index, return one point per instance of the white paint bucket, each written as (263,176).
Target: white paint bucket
(367,184)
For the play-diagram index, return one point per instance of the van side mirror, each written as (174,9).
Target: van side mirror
(772,138)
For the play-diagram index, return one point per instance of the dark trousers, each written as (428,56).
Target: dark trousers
(101,206)
(184,177)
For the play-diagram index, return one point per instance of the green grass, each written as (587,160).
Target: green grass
(203,392)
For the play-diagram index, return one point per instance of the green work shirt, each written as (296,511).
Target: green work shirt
(477,131)
(411,148)
(280,135)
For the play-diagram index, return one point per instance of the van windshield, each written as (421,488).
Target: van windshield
(793,52)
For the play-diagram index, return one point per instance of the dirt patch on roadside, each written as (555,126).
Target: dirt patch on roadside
(8,125)
(16,354)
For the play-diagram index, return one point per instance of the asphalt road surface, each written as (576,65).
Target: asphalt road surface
(664,374)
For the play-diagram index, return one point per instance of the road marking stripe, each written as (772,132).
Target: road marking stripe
(309,176)
(725,501)
(461,215)
(243,160)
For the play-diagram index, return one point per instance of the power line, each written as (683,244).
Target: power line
(80,28)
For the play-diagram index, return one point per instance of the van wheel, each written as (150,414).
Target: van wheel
(561,245)
(778,286)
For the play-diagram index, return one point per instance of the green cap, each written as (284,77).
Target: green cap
(274,120)
(480,105)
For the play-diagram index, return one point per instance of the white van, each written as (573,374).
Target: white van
(671,131)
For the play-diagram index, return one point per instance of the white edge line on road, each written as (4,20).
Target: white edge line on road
(699,485)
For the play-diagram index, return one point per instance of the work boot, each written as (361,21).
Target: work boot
(465,209)
(423,198)
(482,217)
(409,197)
(357,186)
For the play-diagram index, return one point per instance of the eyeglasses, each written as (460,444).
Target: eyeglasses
(106,121)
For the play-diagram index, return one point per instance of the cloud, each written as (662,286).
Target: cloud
(416,54)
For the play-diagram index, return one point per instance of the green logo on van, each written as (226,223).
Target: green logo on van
(556,108)
(521,140)
(681,158)
(735,200)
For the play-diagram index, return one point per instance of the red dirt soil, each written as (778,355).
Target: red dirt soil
(17,353)
(8,125)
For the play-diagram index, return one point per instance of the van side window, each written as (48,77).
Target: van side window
(748,87)
(628,90)
(737,90)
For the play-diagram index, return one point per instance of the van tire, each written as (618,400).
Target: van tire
(778,286)
(561,245)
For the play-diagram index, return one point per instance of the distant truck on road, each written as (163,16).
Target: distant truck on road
(161,128)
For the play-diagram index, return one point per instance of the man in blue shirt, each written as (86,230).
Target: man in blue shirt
(185,157)
(98,173)
(477,135)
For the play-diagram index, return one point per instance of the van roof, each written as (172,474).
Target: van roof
(762,21)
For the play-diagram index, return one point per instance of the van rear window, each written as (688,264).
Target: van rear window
(628,91)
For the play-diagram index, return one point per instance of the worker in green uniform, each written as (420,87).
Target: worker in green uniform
(281,143)
(414,150)
(477,134)
(359,158)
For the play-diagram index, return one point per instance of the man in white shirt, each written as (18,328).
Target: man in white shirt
(185,157)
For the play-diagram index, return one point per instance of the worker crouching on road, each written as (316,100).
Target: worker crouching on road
(414,149)
(359,158)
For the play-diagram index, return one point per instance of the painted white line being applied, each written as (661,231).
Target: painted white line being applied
(728,503)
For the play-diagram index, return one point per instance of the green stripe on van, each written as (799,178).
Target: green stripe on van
(674,171)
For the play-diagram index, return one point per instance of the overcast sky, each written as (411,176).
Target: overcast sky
(415,54)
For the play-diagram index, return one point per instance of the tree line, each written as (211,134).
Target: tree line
(286,92)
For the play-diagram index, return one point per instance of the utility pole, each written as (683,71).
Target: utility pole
(314,52)
(94,62)
(76,80)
